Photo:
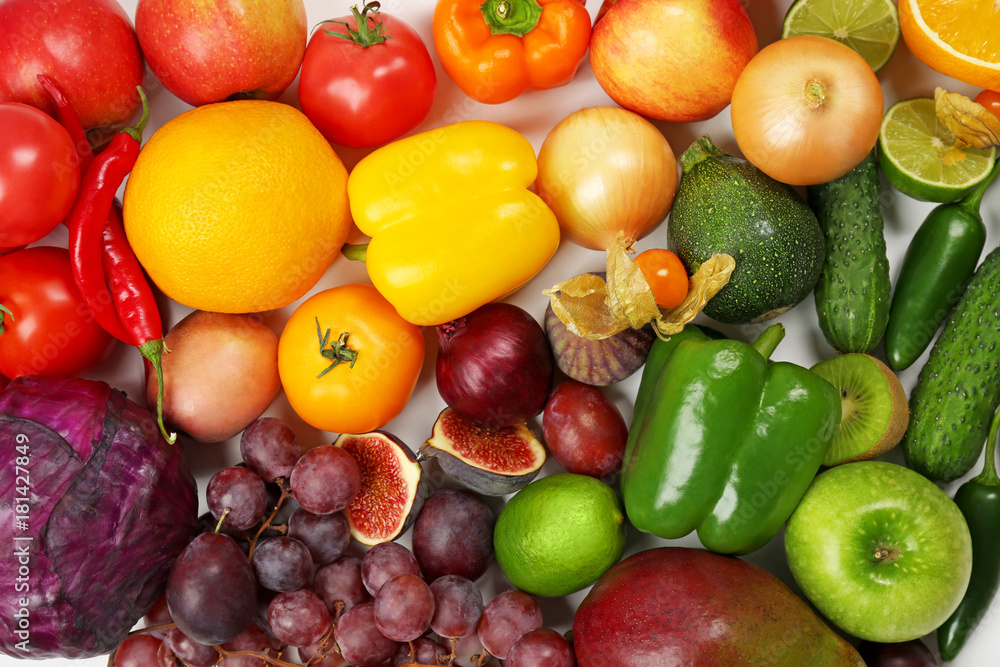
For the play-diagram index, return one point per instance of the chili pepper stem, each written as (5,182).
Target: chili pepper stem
(358,252)
(153,350)
(769,340)
(511,17)
(989,477)
(135,131)
(972,200)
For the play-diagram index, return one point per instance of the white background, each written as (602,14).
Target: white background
(534,114)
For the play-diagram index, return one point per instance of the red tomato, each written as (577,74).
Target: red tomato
(39,174)
(666,276)
(991,100)
(363,96)
(49,330)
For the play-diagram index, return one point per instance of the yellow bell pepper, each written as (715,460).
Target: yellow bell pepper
(452,223)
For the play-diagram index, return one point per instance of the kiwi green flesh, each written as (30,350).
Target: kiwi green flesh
(874,413)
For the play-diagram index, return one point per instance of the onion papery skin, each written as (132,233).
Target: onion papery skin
(603,170)
(799,137)
(494,365)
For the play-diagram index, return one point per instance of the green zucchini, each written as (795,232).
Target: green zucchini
(853,293)
(959,386)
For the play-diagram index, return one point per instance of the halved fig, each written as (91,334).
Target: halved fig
(490,460)
(393,487)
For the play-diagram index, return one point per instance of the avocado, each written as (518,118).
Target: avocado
(726,205)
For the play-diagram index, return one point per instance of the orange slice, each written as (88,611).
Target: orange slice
(960,38)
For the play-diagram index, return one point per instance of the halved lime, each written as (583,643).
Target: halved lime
(917,154)
(870,27)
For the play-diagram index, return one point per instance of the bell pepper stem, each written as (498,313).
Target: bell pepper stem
(511,17)
(769,340)
(4,314)
(358,252)
(972,200)
(989,477)
(153,350)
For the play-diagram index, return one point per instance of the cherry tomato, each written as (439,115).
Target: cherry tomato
(348,362)
(363,96)
(666,276)
(991,100)
(49,330)
(39,174)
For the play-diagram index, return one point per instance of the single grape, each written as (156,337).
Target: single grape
(326,535)
(270,448)
(242,492)
(211,590)
(427,652)
(541,648)
(165,657)
(325,479)
(282,564)
(453,534)
(298,618)
(458,604)
(191,652)
(404,607)
(340,581)
(913,653)
(360,641)
(264,598)
(252,639)
(137,651)
(383,562)
(507,617)
(469,652)
(158,614)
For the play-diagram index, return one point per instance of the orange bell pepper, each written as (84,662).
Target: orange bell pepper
(497,49)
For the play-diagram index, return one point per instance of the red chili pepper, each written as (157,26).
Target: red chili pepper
(66,115)
(99,256)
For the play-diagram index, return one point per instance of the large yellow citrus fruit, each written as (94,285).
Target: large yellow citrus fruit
(960,38)
(237,207)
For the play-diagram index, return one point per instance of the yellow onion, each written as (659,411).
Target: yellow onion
(603,170)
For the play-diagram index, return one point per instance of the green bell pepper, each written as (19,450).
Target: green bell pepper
(725,442)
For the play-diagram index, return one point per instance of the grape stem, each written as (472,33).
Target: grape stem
(277,662)
(285,492)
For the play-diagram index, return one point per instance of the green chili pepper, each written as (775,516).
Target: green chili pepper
(725,442)
(940,260)
(979,500)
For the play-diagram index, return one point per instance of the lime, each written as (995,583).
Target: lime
(870,27)
(917,154)
(559,534)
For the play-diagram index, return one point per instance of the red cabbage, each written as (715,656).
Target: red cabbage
(109,506)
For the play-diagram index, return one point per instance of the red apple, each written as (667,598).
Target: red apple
(88,47)
(206,51)
(673,60)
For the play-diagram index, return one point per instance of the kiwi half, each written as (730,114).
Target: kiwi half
(874,410)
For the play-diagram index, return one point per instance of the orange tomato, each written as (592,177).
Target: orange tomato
(665,274)
(348,362)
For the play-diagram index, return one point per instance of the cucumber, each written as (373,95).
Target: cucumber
(959,386)
(726,205)
(853,293)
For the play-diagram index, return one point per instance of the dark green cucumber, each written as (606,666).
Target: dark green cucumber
(726,205)
(853,293)
(959,386)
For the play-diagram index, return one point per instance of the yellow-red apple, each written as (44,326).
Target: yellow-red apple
(673,60)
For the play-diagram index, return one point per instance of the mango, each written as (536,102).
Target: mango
(681,606)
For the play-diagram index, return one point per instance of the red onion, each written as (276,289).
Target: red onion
(494,365)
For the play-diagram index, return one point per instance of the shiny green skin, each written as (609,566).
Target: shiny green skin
(853,292)
(725,204)
(727,444)
(959,386)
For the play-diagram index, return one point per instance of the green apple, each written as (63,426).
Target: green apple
(880,551)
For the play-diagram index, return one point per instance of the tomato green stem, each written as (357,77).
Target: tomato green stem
(338,352)
(358,252)
(5,313)
(365,35)
(989,477)
(511,17)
